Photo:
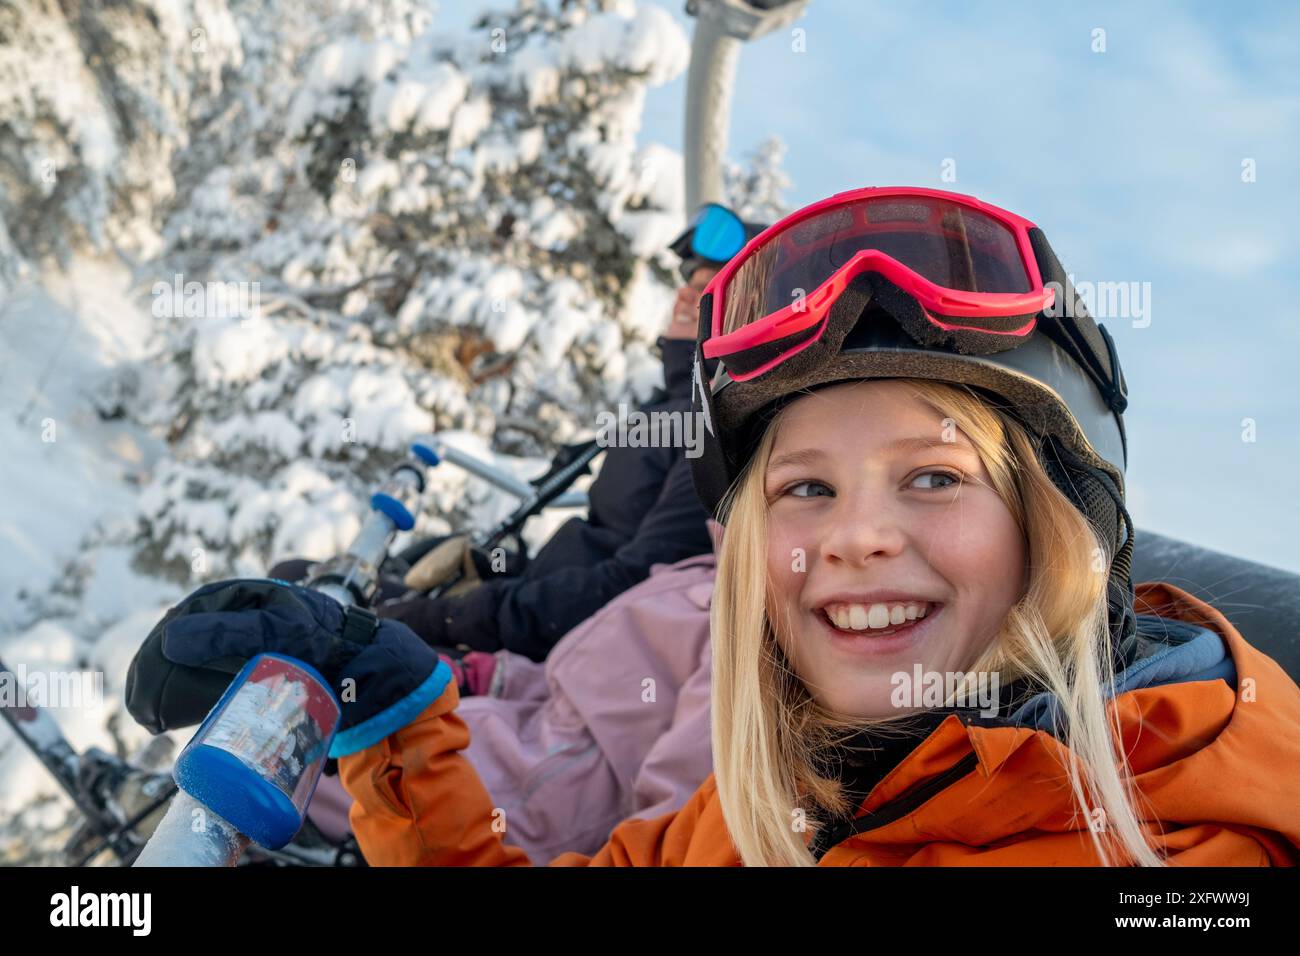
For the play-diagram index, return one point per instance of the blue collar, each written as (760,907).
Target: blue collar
(1169,652)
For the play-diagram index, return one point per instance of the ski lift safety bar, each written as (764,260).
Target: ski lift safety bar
(352,578)
(502,479)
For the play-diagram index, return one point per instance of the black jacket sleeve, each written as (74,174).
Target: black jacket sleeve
(529,616)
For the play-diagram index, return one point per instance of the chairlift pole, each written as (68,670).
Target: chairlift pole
(721,26)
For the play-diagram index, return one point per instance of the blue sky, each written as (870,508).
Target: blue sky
(1131,162)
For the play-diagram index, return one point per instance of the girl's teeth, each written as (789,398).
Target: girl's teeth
(861,617)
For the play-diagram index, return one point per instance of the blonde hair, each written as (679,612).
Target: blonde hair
(768,730)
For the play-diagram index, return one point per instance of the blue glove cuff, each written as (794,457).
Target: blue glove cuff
(393,718)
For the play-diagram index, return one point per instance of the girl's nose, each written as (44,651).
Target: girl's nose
(861,530)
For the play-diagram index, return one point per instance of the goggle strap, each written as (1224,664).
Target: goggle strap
(1068,337)
(705,330)
(1118,397)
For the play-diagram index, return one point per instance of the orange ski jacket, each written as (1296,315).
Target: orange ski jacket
(1217,762)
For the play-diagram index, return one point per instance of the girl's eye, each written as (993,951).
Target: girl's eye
(951,478)
(793,489)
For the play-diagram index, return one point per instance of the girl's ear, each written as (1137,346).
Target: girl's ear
(716,532)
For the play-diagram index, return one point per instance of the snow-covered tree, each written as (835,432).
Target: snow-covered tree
(95,100)
(754,189)
(436,233)
(106,110)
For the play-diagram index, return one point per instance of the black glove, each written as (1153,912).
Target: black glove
(383,674)
(427,617)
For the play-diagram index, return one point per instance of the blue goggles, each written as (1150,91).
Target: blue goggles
(715,233)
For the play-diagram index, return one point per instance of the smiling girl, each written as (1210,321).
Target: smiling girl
(898,519)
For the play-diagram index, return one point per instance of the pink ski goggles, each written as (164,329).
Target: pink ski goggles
(969,264)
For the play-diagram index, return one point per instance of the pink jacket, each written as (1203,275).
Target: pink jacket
(614,724)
